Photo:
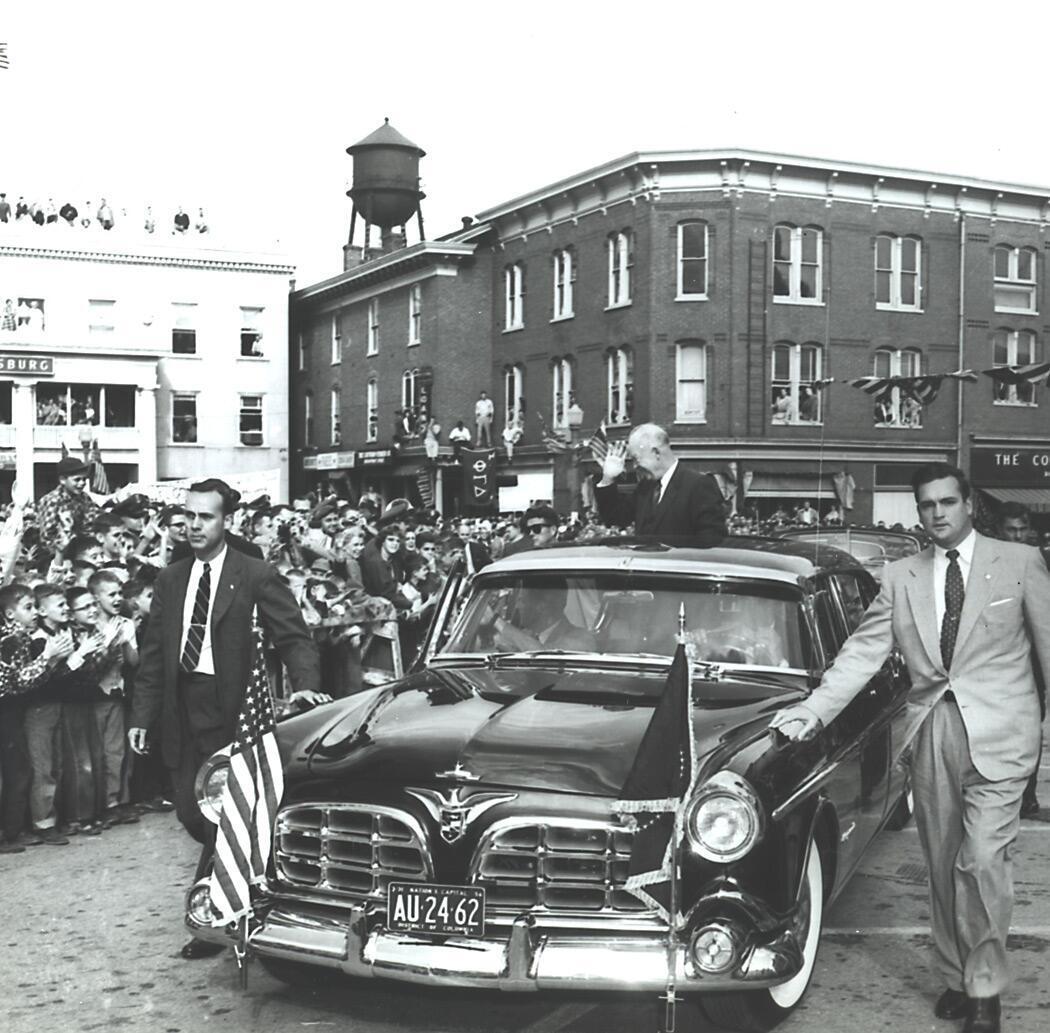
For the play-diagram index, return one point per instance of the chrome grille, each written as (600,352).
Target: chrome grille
(556,868)
(349,848)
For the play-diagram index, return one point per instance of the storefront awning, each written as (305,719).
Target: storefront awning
(791,485)
(1036,499)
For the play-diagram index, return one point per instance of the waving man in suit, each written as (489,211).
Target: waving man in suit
(965,613)
(673,503)
(196,659)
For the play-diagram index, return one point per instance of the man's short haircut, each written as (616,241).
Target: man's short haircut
(167,513)
(79,545)
(390,531)
(938,471)
(101,578)
(11,595)
(1014,511)
(650,435)
(548,514)
(230,496)
(46,591)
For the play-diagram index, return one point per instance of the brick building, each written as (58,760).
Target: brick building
(714,292)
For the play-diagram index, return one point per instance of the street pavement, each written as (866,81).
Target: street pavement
(91,934)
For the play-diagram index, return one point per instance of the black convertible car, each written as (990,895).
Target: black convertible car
(459,827)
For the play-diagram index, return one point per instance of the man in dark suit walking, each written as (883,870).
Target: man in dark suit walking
(672,503)
(196,658)
(966,613)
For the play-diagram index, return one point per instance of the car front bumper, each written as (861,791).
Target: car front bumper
(354,941)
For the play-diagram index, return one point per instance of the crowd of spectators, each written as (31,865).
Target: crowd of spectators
(91,215)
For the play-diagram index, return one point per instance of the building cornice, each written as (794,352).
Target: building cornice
(734,172)
(396,264)
(229,262)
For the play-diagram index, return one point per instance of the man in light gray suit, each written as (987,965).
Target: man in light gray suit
(965,613)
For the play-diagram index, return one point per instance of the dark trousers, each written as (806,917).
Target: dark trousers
(202,732)
(15,767)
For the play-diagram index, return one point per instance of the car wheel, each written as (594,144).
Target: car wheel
(295,973)
(756,1011)
(903,811)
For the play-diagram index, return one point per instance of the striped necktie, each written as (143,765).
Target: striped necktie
(191,652)
(954,594)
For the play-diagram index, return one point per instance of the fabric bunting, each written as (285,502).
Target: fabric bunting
(1033,373)
(656,790)
(923,389)
(251,797)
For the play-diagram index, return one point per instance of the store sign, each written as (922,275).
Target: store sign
(26,365)
(374,457)
(1010,467)
(333,460)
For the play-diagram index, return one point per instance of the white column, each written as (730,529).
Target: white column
(24,419)
(146,426)
(439,493)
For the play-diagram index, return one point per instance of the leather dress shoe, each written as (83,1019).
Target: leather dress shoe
(200,949)
(952,1004)
(984,1015)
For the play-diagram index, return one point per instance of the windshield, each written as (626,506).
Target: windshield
(631,614)
(868,547)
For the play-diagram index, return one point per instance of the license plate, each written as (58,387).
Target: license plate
(418,907)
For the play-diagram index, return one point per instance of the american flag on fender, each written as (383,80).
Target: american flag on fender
(598,443)
(99,480)
(251,797)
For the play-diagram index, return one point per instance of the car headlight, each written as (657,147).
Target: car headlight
(210,783)
(724,819)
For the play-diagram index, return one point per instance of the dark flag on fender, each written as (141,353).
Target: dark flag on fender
(251,797)
(656,788)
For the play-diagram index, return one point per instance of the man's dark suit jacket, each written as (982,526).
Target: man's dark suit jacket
(246,583)
(691,511)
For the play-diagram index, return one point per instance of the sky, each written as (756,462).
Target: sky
(246,109)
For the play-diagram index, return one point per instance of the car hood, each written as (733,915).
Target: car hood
(555,729)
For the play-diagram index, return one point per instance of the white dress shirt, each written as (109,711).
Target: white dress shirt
(940,571)
(664,481)
(206,663)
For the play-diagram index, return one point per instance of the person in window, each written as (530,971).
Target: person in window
(809,406)
(9,321)
(35,322)
(201,225)
(68,213)
(806,514)
(883,411)
(21,210)
(182,221)
(911,412)
(458,436)
(781,405)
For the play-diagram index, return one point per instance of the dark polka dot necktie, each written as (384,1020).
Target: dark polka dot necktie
(954,593)
(191,651)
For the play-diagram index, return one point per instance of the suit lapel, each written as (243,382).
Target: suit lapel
(173,628)
(978,588)
(923,607)
(231,576)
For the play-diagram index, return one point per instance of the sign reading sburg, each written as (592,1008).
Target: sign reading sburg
(26,365)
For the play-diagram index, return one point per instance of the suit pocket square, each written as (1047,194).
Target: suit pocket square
(1000,602)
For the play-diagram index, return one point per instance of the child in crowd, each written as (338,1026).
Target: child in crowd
(23,665)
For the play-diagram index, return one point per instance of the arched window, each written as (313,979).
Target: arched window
(561,392)
(692,260)
(620,249)
(897,408)
(796,398)
(1013,348)
(898,272)
(408,388)
(564,266)
(336,416)
(797,264)
(1015,279)
(373,327)
(690,382)
(619,370)
(415,313)
(514,296)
